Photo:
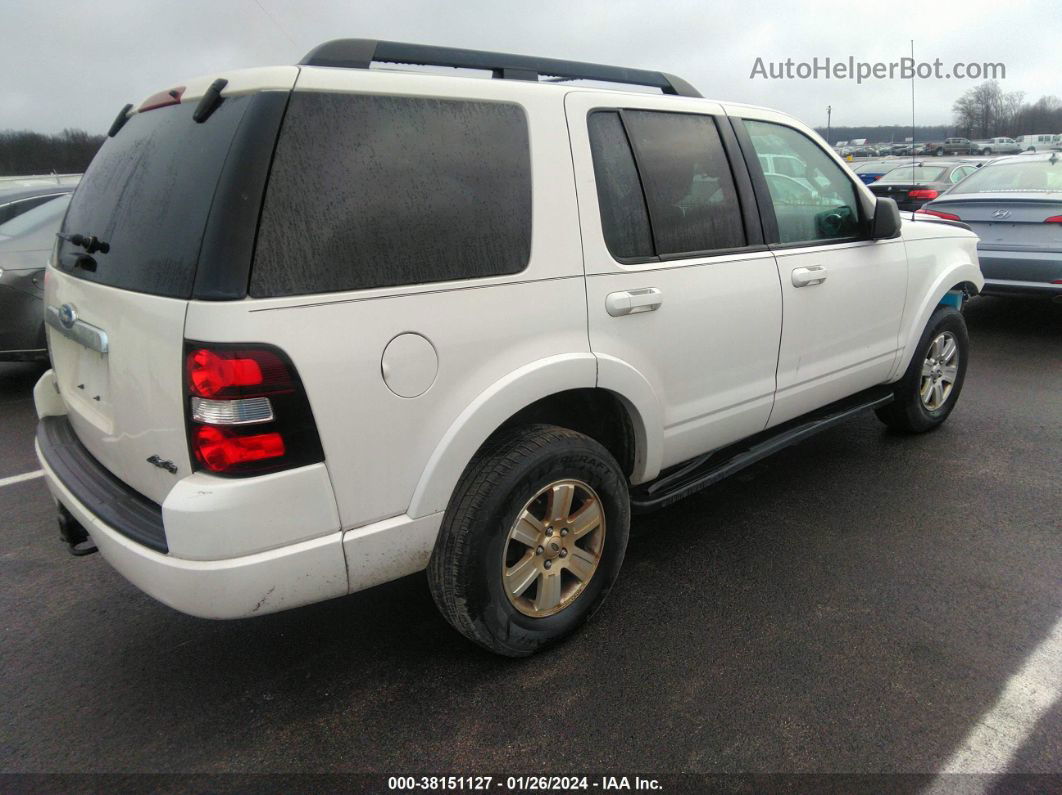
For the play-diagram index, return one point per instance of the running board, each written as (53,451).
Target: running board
(703,471)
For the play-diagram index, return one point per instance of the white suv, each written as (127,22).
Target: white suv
(318,327)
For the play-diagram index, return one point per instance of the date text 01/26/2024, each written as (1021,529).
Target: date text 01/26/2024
(521,783)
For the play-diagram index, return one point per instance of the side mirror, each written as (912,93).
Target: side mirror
(886,222)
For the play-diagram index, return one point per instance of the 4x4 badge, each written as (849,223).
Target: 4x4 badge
(161,463)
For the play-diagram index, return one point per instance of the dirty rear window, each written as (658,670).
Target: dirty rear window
(376,191)
(147,194)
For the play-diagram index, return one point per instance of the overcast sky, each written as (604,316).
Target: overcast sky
(68,64)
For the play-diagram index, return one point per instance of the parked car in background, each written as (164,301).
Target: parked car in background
(25,243)
(1014,204)
(514,313)
(15,201)
(873,170)
(998,146)
(912,186)
(1037,143)
(860,148)
(951,146)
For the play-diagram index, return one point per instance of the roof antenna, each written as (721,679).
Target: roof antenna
(912,110)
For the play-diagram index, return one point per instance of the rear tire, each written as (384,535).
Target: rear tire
(928,391)
(487,574)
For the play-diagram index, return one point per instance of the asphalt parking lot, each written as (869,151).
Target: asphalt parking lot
(861,603)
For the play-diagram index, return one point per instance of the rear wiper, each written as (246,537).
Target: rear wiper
(90,243)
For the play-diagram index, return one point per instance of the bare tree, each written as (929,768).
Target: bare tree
(985,110)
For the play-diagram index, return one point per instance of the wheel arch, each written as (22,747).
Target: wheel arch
(562,390)
(964,277)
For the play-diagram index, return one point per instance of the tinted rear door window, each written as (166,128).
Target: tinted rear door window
(624,216)
(377,191)
(147,194)
(692,200)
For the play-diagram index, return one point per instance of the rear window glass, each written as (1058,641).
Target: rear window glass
(909,174)
(377,191)
(1034,176)
(147,194)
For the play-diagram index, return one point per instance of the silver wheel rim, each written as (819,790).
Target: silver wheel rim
(939,371)
(554,548)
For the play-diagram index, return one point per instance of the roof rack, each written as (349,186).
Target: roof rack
(360,53)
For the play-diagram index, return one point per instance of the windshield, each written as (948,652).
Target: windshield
(49,212)
(1034,176)
(147,194)
(913,174)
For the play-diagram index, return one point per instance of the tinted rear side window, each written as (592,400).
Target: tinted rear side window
(624,217)
(148,194)
(692,200)
(377,191)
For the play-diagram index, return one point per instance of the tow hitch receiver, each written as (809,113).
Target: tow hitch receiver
(74,535)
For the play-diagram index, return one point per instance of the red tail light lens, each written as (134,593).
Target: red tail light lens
(1054,219)
(923,194)
(209,373)
(220,451)
(247,411)
(235,373)
(938,214)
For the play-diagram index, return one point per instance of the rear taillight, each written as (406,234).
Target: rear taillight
(236,372)
(221,450)
(247,411)
(938,214)
(921,193)
(1054,219)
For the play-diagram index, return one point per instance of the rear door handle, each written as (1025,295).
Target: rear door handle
(631,302)
(810,276)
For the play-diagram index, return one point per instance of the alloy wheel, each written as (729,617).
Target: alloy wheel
(553,549)
(939,371)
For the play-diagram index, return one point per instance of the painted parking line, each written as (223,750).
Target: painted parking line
(1000,733)
(20,478)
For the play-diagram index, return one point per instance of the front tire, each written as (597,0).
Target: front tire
(928,391)
(532,540)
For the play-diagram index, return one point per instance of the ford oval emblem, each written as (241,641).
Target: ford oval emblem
(67,315)
(1001,214)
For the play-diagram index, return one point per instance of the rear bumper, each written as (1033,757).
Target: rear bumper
(266,582)
(1009,272)
(191,552)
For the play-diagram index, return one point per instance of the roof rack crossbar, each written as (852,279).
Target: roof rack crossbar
(360,53)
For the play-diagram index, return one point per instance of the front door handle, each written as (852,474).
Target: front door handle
(631,302)
(810,276)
